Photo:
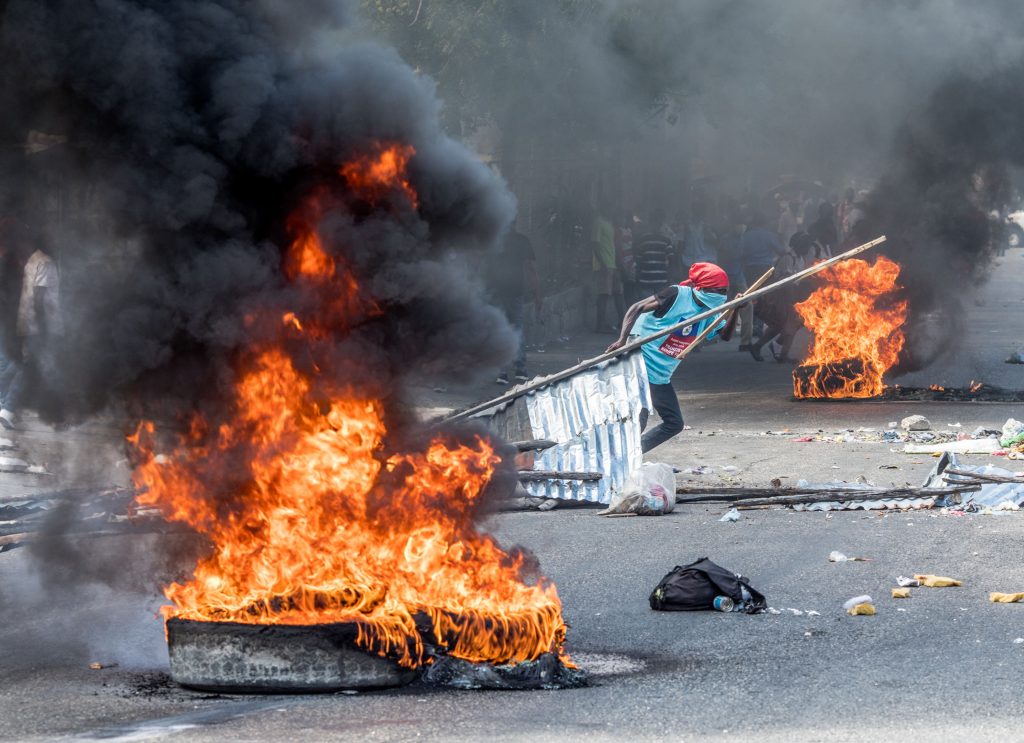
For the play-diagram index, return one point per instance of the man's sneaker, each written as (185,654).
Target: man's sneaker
(521,377)
(8,419)
(502,379)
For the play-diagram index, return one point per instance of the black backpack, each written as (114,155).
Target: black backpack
(694,587)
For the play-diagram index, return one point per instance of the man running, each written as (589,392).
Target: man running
(706,289)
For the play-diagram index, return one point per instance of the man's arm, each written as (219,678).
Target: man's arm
(644,305)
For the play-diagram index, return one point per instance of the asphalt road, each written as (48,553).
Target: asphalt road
(943,665)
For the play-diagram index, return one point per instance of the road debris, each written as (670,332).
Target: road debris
(965,446)
(650,491)
(915,423)
(695,587)
(1006,598)
(937,581)
(835,556)
(1017,357)
(908,582)
(901,593)
(860,606)
(1012,433)
(731,515)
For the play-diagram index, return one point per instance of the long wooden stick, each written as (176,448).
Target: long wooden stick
(981,477)
(784,495)
(725,316)
(545,475)
(634,345)
(842,496)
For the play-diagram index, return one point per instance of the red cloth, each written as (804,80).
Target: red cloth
(707,276)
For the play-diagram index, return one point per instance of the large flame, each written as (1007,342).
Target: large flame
(857,327)
(311,517)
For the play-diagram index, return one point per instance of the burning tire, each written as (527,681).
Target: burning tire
(273,658)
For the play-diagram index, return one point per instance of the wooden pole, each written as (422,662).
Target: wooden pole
(634,345)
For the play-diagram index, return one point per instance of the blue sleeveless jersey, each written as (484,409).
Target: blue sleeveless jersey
(658,354)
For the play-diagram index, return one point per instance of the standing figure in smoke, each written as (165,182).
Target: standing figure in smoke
(38,326)
(511,271)
(705,289)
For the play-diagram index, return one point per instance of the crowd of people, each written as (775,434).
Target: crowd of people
(636,257)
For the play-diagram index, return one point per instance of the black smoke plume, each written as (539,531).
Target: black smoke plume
(192,130)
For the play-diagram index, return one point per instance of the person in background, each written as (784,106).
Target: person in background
(511,273)
(843,209)
(823,232)
(698,242)
(624,258)
(705,289)
(12,263)
(789,222)
(776,309)
(38,325)
(605,274)
(654,257)
(730,231)
(759,248)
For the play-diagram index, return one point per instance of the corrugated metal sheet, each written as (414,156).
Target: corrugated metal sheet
(595,418)
(990,494)
(898,504)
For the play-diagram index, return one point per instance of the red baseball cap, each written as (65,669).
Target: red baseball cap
(707,276)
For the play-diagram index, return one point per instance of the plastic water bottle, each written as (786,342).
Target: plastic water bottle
(723,603)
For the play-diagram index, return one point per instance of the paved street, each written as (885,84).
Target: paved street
(943,665)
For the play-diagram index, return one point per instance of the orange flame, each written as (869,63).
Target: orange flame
(375,175)
(857,330)
(312,520)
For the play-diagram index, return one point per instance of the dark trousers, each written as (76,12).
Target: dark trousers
(667,404)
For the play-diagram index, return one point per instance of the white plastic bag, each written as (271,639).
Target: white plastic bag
(650,491)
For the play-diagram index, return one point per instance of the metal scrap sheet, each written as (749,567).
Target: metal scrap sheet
(595,418)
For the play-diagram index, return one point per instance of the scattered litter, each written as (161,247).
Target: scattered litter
(888,467)
(937,581)
(695,587)
(1006,598)
(908,582)
(1006,505)
(835,556)
(650,491)
(794,612)
(958,424)
(984,433)
(731,515)
(915,423)
(893,424)
(1013,433)
(1017,357)
(900,609)
(1019,641)
(701,469)
(860,606)
(101,666)
(803,439)
(971,446)
(901,593)
(730,469)
(37,469)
